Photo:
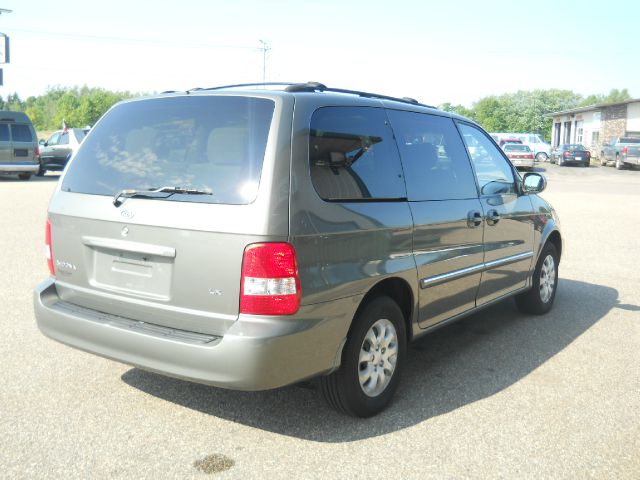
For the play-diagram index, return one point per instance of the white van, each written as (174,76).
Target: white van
(536,143)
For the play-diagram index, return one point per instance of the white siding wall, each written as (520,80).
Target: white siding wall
(633,117)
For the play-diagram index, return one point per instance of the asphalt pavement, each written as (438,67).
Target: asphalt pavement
(497,395)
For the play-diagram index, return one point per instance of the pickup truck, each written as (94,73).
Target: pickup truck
(621,151)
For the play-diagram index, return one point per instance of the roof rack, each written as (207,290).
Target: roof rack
(311,87)
(319,87)
(240,85)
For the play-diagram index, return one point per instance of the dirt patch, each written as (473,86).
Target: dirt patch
(214,463)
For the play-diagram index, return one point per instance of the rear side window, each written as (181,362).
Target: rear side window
(353,156)
(80,134)
(212,144)
(21,133)
(4,132)
(435,161)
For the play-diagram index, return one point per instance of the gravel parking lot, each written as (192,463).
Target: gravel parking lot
(498,394)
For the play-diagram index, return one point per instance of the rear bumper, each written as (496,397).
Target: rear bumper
(256,353)
(18,168)
(54,164)
(523,163)
(631,160)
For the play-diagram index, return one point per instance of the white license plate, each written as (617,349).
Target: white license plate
(578,158)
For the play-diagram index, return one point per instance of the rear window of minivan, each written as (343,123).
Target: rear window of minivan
(21,133)
(214,144)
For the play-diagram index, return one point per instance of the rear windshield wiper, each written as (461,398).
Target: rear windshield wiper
(162,192)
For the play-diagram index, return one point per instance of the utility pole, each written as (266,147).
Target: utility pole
(265,48)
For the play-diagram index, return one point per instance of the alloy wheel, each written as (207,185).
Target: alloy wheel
(547,279)
(378,356)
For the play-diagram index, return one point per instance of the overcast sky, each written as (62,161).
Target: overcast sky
(443,51)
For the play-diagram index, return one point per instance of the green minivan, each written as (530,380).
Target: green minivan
(18,145)
(250,237)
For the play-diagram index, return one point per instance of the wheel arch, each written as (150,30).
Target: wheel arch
(400,292)
(555,238)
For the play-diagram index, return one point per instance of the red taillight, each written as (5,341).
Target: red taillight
(36,153)
(270,284)
(588,154)
(625,150)
(565,154)
(529,156)
(48,251)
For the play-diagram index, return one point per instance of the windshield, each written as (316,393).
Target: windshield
(515,147)
(80,134)
(213,144)
(575,147)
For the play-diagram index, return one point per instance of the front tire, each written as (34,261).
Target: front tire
(24,176)
(539,299)
(541,157)
(603,161)
(560,162)
(372,361)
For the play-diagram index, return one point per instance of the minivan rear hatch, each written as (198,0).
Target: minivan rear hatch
(152,217)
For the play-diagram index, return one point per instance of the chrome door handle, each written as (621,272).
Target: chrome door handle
(474,219)
(493,217)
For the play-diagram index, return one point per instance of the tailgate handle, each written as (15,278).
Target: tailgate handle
(134,247)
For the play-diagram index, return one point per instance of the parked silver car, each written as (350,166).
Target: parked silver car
(250,238)
(56,151)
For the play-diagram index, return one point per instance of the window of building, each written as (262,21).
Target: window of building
(595,137)
(579,135)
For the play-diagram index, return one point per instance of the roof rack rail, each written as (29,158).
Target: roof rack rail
(257,84)
(319,87)
(222,87)
(311,87)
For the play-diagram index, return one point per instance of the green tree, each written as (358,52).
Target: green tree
(459,109)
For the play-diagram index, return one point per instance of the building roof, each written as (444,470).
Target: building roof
(588,108)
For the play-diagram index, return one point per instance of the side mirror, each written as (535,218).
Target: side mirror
(533,183)
(43,143)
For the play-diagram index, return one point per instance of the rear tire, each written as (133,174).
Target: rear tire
(619,164)
(539,299)
(560,161)
(372,361)
(603,161)
(24,176)
(41,170)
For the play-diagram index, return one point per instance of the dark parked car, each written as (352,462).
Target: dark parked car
(571,153)
(58,148)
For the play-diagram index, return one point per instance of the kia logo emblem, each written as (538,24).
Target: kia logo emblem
(127,213)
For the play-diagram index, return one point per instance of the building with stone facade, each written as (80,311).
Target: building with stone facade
(596,124)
